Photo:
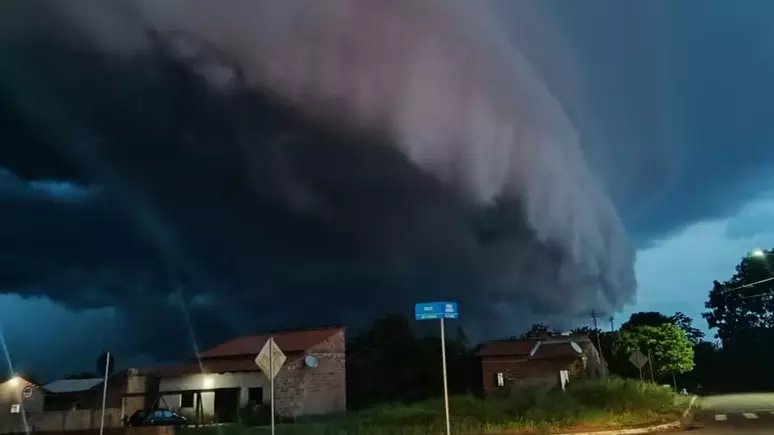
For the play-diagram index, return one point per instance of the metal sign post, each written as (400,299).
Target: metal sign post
(270,361)
(104,393)
(650,360)
(271,384)
(440,311)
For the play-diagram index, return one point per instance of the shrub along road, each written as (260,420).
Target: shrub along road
(586,406)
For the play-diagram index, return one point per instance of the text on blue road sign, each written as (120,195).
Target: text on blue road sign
(436,310)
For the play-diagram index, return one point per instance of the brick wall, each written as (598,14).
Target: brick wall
(301,390)
(516,371)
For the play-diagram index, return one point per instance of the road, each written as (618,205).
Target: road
(737,414)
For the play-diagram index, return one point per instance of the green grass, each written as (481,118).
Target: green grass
(612,403)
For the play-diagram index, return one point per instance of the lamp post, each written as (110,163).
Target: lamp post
(760,254)
(757,254)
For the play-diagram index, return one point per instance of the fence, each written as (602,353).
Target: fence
(56,421)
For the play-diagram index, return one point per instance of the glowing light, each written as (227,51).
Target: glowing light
(14,381)
(208,383)
(758,253)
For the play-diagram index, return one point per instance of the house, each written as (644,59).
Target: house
(19,395)
(226,378)
(509,364)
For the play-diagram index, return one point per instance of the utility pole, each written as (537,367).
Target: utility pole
(612,328)
(599,343)
(650,363)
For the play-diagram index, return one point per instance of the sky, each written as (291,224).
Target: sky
(281,166)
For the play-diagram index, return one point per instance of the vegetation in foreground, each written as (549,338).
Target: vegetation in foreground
(587,404)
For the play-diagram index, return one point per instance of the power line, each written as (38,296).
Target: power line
(747,285)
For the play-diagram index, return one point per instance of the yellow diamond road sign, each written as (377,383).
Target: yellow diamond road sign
(270,359)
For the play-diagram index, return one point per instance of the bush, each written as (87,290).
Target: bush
(623,395)
(612,402)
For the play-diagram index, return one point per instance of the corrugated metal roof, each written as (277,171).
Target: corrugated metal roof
(551,350)
(72,385)
(216,366)
(538,348)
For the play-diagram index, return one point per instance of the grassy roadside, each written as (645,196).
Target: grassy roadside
(586,406)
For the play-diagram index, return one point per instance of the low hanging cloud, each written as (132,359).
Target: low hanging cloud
(281,163)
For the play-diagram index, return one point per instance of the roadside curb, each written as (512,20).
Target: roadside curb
(635,431)
(690,406)
(641,430)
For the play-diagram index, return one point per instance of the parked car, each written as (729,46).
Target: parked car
(156,417)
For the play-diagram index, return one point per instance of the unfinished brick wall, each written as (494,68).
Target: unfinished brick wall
(302,390)
(515,370)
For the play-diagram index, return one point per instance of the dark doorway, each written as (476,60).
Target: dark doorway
(226,405)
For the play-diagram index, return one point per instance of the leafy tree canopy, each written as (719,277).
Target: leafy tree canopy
(653,318)
(669,347)
(742,308)
(539,330)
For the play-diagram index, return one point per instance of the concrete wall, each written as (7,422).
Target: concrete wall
(11,394)
(171,388)
(149,430)
(53,421)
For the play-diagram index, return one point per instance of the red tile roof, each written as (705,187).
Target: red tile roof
(289,341)
(507,348)
(238,355)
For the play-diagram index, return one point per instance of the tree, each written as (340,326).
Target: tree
(670,349)
(539,330)
(654,318)
(646,318)
(743,307)
(389,362)
(741,310)
(105,360)
(686,324)
(84,375)
(585,330)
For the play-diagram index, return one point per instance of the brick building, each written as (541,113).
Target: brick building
(226,378)
(513,364)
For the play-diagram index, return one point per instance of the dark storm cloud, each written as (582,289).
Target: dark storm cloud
(674,100)
(297,199)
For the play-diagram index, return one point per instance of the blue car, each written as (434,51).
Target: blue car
(156,417)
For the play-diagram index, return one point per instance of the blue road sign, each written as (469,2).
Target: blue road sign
(436,310)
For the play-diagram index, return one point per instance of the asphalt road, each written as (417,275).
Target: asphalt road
(737,414)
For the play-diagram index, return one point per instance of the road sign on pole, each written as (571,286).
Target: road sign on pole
(638,360)
(270,360)
(440,311)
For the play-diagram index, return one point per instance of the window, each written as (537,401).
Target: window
(500,380)
(168,414)
(158,414)
(187,400)
(255,395)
